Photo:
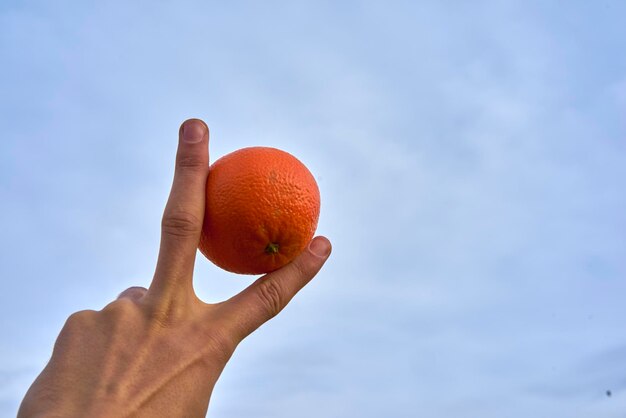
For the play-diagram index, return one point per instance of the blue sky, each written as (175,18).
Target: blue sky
(471,158)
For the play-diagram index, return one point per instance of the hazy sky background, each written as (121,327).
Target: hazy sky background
(471,158)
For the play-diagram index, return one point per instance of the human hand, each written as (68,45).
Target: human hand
(158,352)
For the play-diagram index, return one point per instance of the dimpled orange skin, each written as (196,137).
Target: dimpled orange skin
(261,212)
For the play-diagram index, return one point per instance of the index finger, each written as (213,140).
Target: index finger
(184,212)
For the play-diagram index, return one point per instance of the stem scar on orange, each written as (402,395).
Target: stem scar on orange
(262,208)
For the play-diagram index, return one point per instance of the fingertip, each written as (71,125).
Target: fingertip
(193,130)
(320,247)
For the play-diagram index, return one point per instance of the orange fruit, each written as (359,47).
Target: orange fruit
(262,207)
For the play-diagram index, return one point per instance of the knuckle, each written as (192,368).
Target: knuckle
(79,318)
(158,320)
(133,292)
(181,224)
(166,313)
(220,346)
(76,323)
(191,163)
(270,295)
(300,268)
(305,267)
(120,308)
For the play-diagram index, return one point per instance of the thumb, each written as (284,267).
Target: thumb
(266,297)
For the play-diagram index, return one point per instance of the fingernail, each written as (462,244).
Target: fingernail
(320,247)
(193,131)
